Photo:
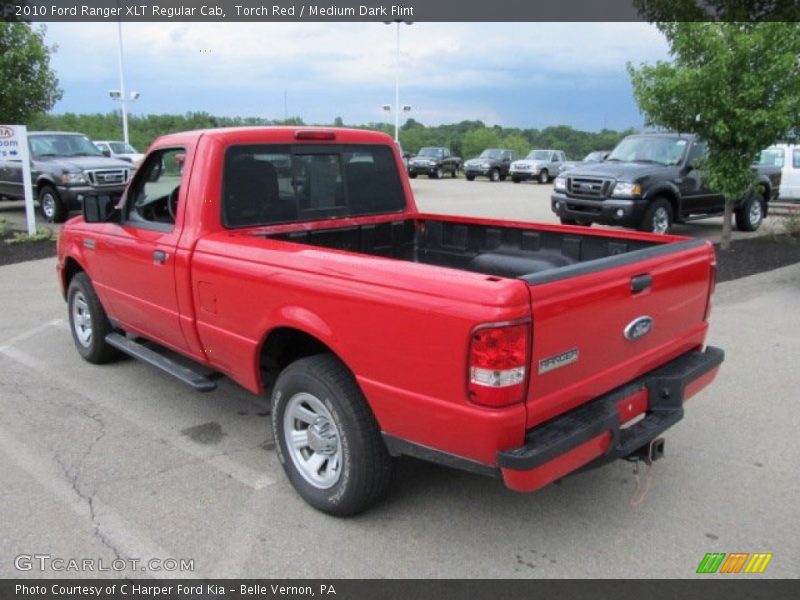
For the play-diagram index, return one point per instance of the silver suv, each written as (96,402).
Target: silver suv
(542,165)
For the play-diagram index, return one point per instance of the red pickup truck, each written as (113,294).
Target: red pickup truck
(295,262)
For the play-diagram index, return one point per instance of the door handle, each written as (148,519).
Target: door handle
(160,257)
(639,283)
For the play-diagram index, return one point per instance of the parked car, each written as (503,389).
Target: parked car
(785,157)
(542,165)
(378,331)
(593,157)
(493,163)
(120,150)
(433,162)
(64,168)
(650,181)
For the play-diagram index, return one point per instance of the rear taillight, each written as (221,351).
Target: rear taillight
(498,364)
(712,286)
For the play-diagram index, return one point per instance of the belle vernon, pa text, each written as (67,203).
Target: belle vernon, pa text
(209,589)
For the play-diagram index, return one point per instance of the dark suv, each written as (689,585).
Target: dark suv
(65,167)
(650,181)
(493,163)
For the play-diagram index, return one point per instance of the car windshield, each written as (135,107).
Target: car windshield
(492,154)
(538,155)
(650,149)
(430,152)
(772,157)
(122,148)
(595,157)
(62,145)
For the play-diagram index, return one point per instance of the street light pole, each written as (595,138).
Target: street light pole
(397,77)
(123,95)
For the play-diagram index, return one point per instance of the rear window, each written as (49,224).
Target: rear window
(271,184)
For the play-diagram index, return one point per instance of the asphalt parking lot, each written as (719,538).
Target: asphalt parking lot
(121,461)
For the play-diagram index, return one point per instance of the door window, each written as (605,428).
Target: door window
(153,196)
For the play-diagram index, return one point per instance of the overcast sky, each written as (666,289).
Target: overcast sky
(510,74)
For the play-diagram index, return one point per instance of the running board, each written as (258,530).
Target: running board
(190,377)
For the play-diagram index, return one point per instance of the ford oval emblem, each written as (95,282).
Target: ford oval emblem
(638,328)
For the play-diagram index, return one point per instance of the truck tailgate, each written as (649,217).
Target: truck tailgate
(600,324)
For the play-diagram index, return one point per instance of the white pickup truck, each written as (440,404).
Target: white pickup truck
(787,158)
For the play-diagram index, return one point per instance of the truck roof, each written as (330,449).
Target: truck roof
(282,134)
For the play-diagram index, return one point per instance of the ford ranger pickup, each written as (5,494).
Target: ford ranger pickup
(295,262)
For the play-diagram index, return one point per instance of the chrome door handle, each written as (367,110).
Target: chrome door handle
(160,257)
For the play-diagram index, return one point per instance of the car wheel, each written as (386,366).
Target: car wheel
(516,179)
(438,174)
(470,177)
(454,173)
(568,221)
(750,214)
(52,208)
(412,175)
(88,321)
(658,217)
(503,177)
(494,175)
(326,437)
(544,176)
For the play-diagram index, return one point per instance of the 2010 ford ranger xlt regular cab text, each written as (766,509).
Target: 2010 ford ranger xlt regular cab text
(295,262)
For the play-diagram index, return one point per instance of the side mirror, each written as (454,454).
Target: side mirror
(99,208)
(106,152)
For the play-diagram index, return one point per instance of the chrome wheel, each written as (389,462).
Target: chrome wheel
(544,176)
(660,221)
(48,206)
(755,214)
(312,440)
(81,319)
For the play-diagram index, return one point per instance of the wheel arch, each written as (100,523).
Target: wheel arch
(668,193)
(71,268)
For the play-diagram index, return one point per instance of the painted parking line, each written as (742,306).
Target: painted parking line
(31,333)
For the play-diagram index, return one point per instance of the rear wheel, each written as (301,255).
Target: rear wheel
(470,177)
(88,321)
(750,214)
(53,208)
(544,176)
(658,217)
(326,437)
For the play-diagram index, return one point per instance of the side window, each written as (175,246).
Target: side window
(796,158)
(445,153)
(697,154)
(153,197)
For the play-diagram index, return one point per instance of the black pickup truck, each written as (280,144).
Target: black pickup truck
(434,162)
(493,163)
(65,167)
(650,181)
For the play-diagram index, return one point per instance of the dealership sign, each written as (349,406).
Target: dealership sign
(14,147)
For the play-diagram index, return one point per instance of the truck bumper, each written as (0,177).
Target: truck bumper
(610,211)
(420,170)
(594,432)
(524,175)
(72,196)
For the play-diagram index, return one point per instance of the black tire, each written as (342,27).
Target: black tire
(516,179)
(750,214)
(568,221)
(454,173)
(470,177)
(412,175)
(503,177)
(658,217)
(51,206)
(544,176)
(438,174)
(88,321)
(322,384)
(494,175)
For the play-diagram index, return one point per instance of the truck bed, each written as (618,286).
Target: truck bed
(537,255)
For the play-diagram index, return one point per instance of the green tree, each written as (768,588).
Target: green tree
(517,142)
(736,85)
(478,140)
(29,86)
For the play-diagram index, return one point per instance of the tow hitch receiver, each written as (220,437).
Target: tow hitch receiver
(650,453)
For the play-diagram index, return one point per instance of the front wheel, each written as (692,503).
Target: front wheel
(454,173)
(494,175)
(88,321)
(412,175)
(53,208)
(658,217)
(750,214)
(516,179)
(544,176)
(438,174)
(470,177)
(326,437)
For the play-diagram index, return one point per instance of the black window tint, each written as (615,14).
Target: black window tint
(269,184)
(796,159)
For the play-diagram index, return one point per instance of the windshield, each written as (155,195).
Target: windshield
(492,154)
(430,152)
(598,156)
(122,148)
(62,145)
(650,149)
(772,157)
(538,155)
